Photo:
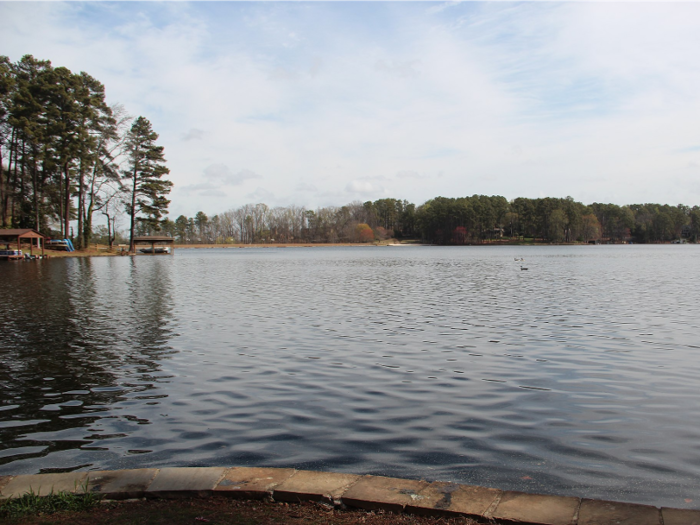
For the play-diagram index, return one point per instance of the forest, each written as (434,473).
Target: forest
(454,221)
(65,155)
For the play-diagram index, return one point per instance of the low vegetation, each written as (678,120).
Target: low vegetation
(219,511)
(32,504)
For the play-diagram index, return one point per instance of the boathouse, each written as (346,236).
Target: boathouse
(158,244)
(17,236)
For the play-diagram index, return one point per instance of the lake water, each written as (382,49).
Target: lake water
(578,376)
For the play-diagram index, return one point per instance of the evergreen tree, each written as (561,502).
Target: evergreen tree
(7,82)
(96,125)
(143,178)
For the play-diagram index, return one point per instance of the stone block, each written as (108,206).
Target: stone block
(45,484)
(121,484)
(4,480)
(536,509)
(596,512)
(185,481)
(378,492)
(306,485)
(251,482)
(452,499)
(680,516)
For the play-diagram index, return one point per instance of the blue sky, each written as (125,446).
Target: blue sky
(323,103)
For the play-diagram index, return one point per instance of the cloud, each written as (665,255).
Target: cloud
(283,73)
(303,186)
(316,66)
(203,189)
(261,195)
(193,134)
(215,179)
(408,174)
(689,149)
(222,174)
(364,187)
(291,89)
(443,6)
(399,69)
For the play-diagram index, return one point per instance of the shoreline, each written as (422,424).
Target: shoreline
(103,250)
(340,490)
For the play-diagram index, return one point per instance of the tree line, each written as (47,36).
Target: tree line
(478,218)
(449,221)
(259,223)
(65,155)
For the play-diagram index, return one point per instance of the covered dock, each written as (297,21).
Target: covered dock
(158,244)
(16,236)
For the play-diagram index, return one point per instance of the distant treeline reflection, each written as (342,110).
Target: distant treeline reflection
(464,220)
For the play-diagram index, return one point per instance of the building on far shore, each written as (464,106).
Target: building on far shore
(158,244)
(17,236)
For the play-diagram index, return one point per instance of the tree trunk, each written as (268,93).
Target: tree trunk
(82,242)
(11,190)
(19,223)
(35,187)
(2,190)
(66,211)
(133,210)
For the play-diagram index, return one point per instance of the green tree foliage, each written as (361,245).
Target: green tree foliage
(465,220)
(143,178)
(590,228)
(201,221)
(59,148)
(694,226)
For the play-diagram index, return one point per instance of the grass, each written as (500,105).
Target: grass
(32,504)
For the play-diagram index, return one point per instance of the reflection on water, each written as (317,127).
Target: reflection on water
(576,377)
(81,339)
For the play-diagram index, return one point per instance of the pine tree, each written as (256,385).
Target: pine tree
(146,188)
(96,124)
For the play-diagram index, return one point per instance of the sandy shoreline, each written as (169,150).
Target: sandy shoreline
(103,250)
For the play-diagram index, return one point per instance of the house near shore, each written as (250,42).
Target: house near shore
(15,237)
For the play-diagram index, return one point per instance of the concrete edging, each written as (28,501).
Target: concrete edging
(364,492)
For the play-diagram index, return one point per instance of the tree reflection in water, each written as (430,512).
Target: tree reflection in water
(81,339)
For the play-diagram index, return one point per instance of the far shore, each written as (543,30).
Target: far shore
(100,250)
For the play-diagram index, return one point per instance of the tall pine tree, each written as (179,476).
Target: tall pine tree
(143,178)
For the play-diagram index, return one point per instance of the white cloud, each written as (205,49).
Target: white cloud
(445,5)
(193,134)
(409,174)
(216,178)
(590,100)
(303,186)
(222,174)
(366,188)
(407,69)
(261,195)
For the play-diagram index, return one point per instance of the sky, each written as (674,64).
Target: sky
(325,103)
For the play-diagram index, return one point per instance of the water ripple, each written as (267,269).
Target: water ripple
(442,363)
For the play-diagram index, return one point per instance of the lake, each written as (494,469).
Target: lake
(578,376)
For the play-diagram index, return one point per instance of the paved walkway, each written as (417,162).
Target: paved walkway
(364,492)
